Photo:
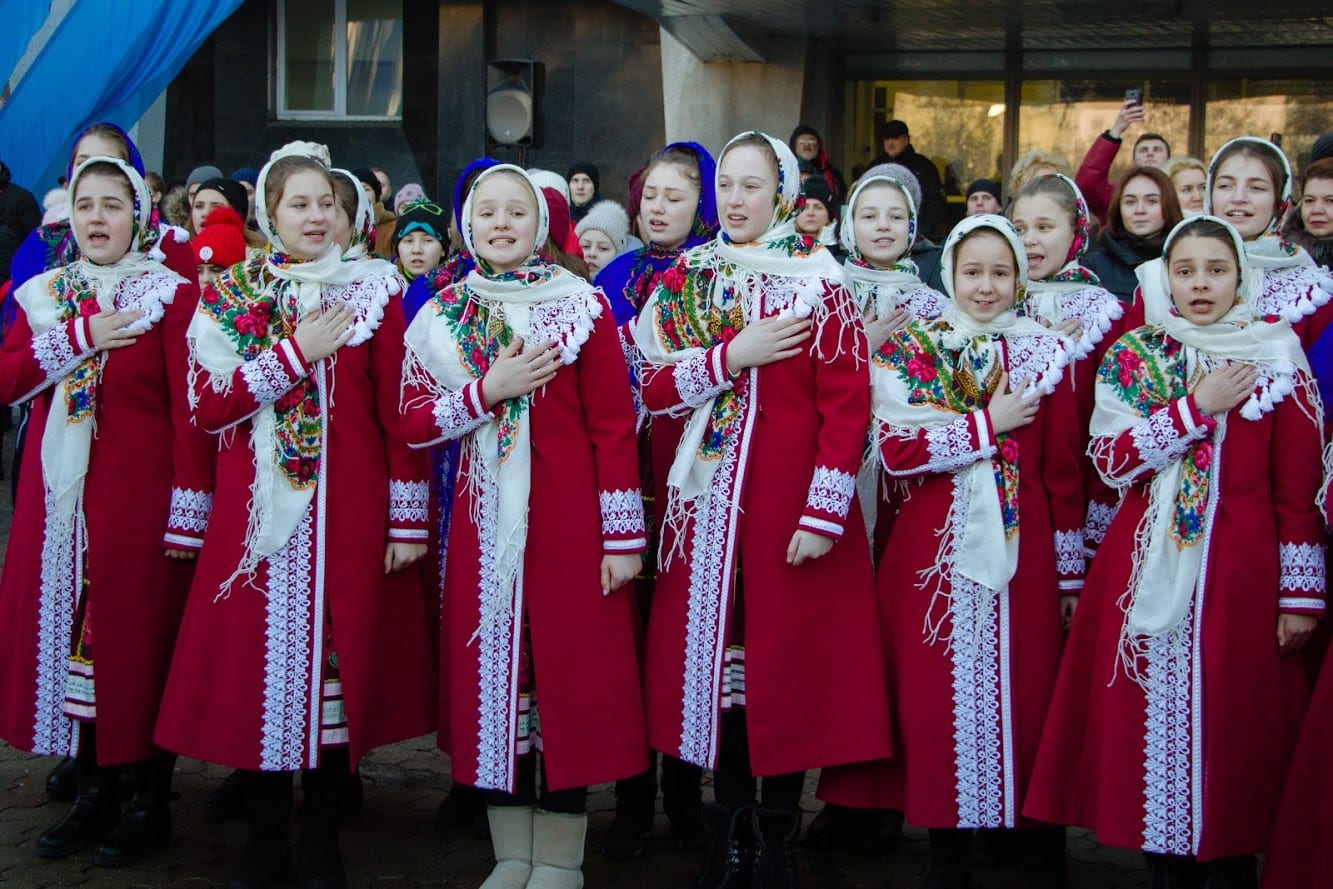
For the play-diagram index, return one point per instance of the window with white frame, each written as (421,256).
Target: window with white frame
(340,59)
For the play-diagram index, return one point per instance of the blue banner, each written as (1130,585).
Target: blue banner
(107,60)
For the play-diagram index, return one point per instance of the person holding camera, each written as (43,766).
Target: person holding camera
(1094,174)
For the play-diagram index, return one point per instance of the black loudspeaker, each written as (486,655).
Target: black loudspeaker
(513,102)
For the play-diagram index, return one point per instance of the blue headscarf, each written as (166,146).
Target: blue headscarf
(628,279)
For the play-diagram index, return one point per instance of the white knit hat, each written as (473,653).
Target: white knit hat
(610,219)
(547,179)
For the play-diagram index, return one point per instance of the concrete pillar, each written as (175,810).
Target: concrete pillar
(709,102)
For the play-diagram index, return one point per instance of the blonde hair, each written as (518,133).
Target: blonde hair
(1025,168)
(1181,164)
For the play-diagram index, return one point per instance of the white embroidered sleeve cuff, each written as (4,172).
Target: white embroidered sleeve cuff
(623,525)
(1069,558)
(954,445)
(702,377)
(1301,569)
(409,503)
(830,495)
(58,351)
(459,413)
(270,374)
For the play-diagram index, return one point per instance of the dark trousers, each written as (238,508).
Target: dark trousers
(734,783)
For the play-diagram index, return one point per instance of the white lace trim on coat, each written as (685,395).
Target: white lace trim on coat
(622,512)
(1302,567)
(408,501)
(190,509)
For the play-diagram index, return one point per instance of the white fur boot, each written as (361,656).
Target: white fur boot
(511,837)
(557,850)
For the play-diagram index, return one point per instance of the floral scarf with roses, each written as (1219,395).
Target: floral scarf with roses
(934,373)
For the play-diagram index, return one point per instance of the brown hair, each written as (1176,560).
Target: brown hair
(756,140)
(1204,227)
(285,167)
(106,131)
(108,171)
(686,161)
(1320,169)
(1262,152)
(1171,212)
(1056,189)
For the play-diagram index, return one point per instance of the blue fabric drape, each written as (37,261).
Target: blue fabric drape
(21,20)
(107,60)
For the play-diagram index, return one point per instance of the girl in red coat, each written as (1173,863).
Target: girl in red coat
(976,412)
(755,342)
(1053,220)
(114,497)
(1178,701)
(521,361)
(303,643)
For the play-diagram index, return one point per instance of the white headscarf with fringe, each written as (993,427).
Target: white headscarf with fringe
(135,282)
(974,544)
(759,273)
(558,306)
(276,505)
(1164,576)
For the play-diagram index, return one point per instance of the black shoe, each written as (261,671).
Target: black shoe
(775,853)
(319,860)
(143,829)
(90,819)
(687,830)
(1236,872)
(459,808)
(950,859)
(225,802)
(62,782)
(262,864)
(1041,858)
(729,859)
(1171,871)
(628,836)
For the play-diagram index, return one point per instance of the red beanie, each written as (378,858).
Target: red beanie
(562,223)
(222,240)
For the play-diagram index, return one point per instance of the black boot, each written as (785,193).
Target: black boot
(146,825)
(729,858)
(225,802)
(950,859)
(267,856)
(62,782)
(95,810)
(1236,872)
(1041,858)
(459,808)
(1171,871)
(775,857)
(319,863)
(632,827)
(682,795)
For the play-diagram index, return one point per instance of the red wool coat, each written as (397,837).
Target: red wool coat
(969,711)
(584,502)
(245,681)
(791,464)
(148,487)
(1191,761)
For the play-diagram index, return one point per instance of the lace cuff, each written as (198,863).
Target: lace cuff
(1301,571)
(60,349)
(1069,557)
(268,375)
(827,501)
(623,526)
(459,413)
(702,377)
(187,518)
(409,503)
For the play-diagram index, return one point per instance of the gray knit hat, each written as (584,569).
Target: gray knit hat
(609,218)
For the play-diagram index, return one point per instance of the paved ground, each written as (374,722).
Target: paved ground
(394,843)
